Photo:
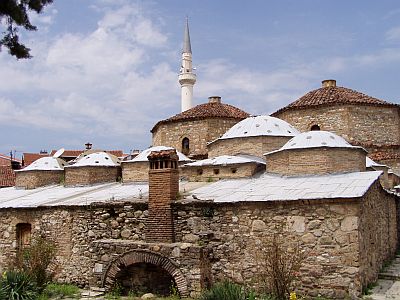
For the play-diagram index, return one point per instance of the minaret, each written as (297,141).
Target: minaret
(186,76)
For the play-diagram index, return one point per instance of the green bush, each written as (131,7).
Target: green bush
(55,290)
(225,290)
(35,261)
(16,285)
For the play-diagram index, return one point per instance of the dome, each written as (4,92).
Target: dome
(316,139)
(260,126)
(97,159)
(224,160)
(330,94)
(142,156)
(48,163)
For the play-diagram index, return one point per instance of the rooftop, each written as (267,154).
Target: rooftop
(142,156)
(7,176)
(316,139)
(47,163)
(97,159)
(226,160)
(260,126)
(212,109)
(330,94)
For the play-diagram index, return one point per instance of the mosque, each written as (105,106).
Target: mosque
(217,184)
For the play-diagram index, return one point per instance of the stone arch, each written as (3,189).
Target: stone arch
(145,256)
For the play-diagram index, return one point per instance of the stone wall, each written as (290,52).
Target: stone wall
(37,178)
(316,161)
(361,124)
(377,232)
(199,133)
(75,176)
(257,145)
(135,171)
(213,173)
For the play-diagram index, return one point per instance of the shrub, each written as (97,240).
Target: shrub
(225,290)
(35,261)
(15,285)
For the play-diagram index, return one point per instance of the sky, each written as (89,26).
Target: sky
(105,71)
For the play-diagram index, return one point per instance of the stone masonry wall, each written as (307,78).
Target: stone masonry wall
(316,161)
(199,133)
(356,123)
(257,145)
(36,178)
(326,230)
(135,171)
(213,173)
(378,232)
(75,176)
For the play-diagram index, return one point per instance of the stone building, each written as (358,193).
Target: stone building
(190,131)
(254,135)
(137,169)
(361,119)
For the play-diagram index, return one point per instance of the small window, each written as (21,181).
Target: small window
(23,235)
(185,145)
(315,127)
(233,170)
(216,171)
(199,171)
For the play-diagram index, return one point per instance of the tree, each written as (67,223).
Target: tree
(14,14)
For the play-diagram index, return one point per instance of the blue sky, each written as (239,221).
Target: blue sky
(105,71)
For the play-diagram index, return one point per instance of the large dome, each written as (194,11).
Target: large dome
(97,159)
(316,139)
(260,126)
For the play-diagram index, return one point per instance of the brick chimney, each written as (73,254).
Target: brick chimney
(163,189)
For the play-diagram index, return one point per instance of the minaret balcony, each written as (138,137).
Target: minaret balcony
(187,78)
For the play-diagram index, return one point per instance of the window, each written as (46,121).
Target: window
(199,171)
(23,235)
(216,171)
(315,127)
(185,145)
(233,170)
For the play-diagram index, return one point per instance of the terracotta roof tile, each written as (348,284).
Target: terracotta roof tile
(206,110)
(7,176)
(31,157)
(383,155)
(333,95)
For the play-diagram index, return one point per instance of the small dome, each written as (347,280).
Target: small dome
(48,163)
(316,139)
(97,159)
(142,156)
(226,160)
(260,126)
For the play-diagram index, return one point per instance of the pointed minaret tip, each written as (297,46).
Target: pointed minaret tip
(186,39)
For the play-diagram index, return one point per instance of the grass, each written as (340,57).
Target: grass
(55,290)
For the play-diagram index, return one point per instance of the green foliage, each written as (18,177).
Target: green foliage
(225,290)
(14,13)
(36,259)
(54,290)
(15,285)
(115,292)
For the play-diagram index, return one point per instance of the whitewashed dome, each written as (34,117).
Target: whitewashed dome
(260,126)
(142,156)
(97,159)
(317,139)
(48,163)
(226,160)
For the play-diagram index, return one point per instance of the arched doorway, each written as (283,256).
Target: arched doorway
(147,271)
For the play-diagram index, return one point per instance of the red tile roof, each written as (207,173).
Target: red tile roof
(204,111)
(333,95)
(7,176)
(6,160)
(383,155)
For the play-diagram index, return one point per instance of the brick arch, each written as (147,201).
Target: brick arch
(145,256)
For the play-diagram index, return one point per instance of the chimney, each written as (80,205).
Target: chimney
(214,99)
(328,83)
(163,189)
(88,146)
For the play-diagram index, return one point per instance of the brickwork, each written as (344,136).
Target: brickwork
(163,189)
(37,178)
(135,171)
(213,173)
(316,161)
(199,133)
(258,145)
(87,175)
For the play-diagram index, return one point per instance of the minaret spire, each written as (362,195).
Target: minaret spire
(186,77)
